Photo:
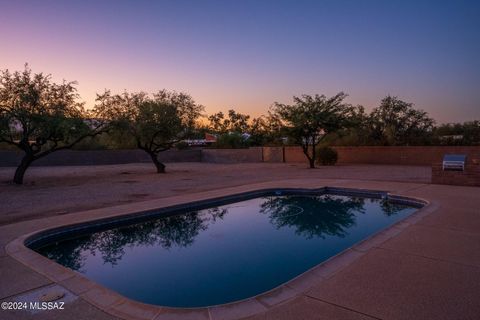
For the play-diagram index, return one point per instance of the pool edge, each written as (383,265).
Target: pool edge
(120,306)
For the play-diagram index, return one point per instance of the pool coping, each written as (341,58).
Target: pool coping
(116,304)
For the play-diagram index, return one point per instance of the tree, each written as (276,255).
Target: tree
(264,130)
(396,122)
(312,118)
(232,140)
(467,133)
(156,123)
(233,122)
(259,131)
(357,134)
(471,133)
(40,117)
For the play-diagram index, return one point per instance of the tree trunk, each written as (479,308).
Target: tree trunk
(22,168)
(311,160)
(160,166)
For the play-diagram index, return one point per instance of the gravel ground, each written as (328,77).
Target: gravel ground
(52,191)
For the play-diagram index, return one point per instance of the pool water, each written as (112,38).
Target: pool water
(227,253)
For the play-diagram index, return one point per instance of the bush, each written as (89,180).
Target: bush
(231,141)
(107,140)
(326,156)
(182,145)
(90,143)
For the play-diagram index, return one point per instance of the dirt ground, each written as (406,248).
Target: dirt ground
(50,191)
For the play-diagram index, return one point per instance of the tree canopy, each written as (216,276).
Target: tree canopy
(311,118)
(155,122)
(232,122)
(396,122)
(467,133)
(39,116)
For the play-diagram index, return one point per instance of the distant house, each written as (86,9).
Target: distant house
(209,139)
(452,137)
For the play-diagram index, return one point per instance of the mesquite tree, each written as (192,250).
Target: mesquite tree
(396,122)
(310,119)
(40,117)
(155,122)
(232,122)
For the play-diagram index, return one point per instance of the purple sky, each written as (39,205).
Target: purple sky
(247,54)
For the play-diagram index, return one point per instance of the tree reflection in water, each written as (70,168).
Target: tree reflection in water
(310,216)
(313,216)
(178,230)
(389,208)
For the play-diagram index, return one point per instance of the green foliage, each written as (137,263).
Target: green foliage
(464,134)
(182,145)
(396,122)
(232,122)
(231,141)
(90,143)
(155,123)
(40,117)
(265,131)
(357,133)
(262,130)
(199,131)
(312,118)
(113,139)
(327,156)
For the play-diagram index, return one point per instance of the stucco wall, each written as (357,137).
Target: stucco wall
(232,155)
(98,157)
(10,158)
(294,154)
(415,156)
(273,154)
(418,156)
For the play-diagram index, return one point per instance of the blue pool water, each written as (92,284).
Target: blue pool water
(227,253)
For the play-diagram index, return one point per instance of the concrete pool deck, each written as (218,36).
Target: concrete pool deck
(427,267)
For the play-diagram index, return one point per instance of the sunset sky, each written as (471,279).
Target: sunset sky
(247,54)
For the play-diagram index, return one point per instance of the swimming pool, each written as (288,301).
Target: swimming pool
(226,250)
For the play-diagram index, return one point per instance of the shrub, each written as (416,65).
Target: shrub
(107,140)
(326,156)
(90,143)
(231,141)
(182,145)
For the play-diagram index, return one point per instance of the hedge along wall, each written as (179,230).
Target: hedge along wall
(415,156)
